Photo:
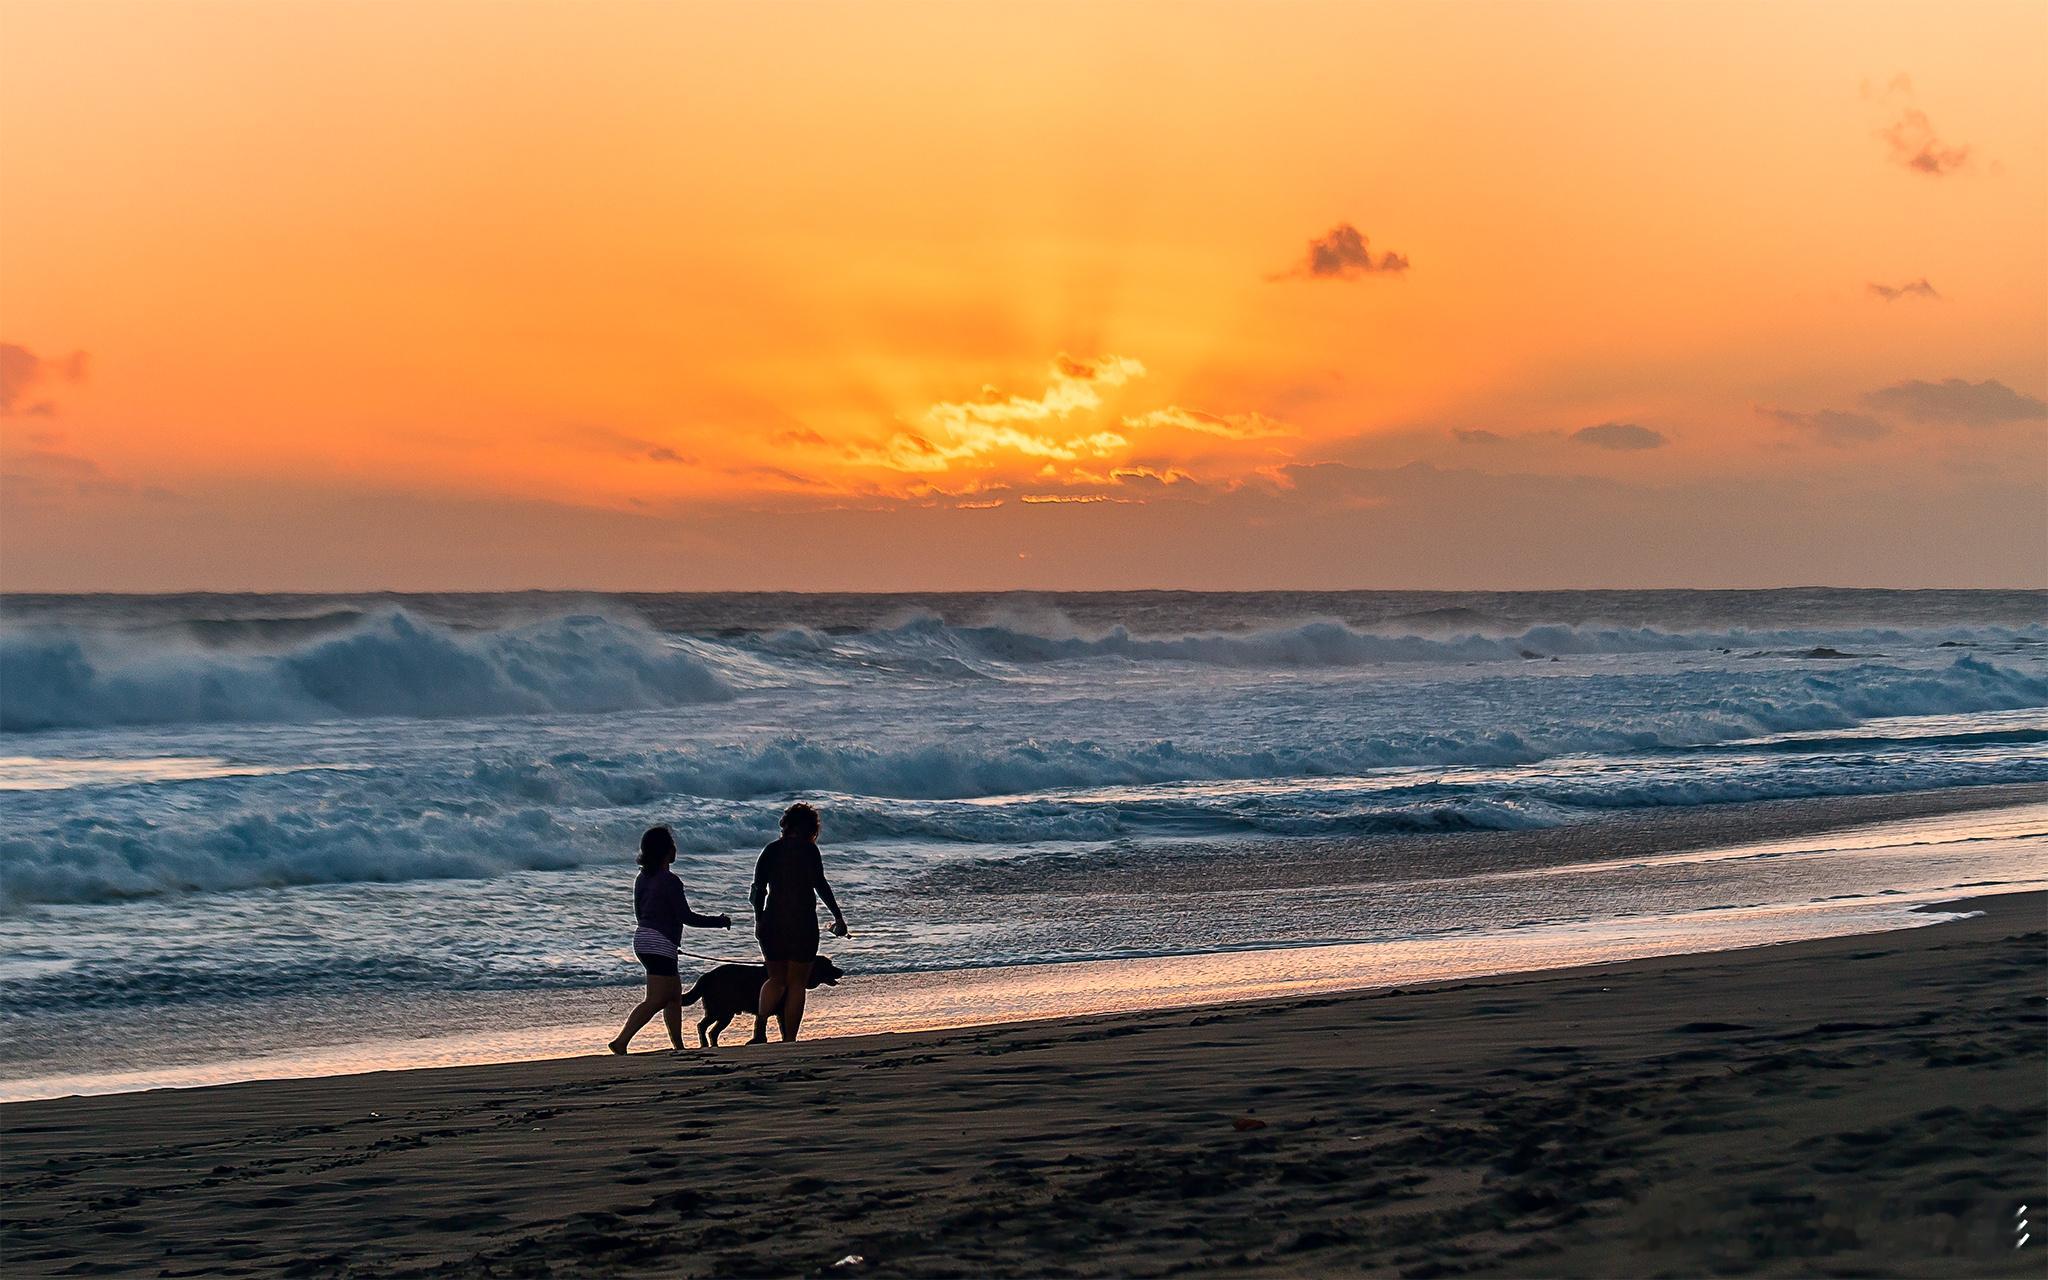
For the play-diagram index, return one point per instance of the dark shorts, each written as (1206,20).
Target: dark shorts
(658,966)
(785,941)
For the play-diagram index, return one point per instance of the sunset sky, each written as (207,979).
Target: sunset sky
(900,296)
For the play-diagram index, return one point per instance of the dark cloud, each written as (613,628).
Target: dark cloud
(1619,435)
(800,435)
(22,370)
(776,473)
(50,472)
(1914,145)
(51,464)
(1831,425)
(1910,135)
(1477,435)
(620,444)
(1911,289)
(1970,404)
(1344,254)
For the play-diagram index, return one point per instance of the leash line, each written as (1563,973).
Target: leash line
(698,955)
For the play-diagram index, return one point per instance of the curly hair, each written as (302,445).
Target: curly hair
(657,847)
(799,820)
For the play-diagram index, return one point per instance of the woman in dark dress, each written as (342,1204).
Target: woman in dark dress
(660,910)
(788,881)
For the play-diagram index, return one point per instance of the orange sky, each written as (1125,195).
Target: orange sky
(326,295)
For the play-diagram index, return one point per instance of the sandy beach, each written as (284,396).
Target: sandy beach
(1858,1106)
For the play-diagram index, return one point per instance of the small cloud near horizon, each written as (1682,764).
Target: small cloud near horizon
(22,371)
(620,444)
(1971,404)
(1344,254)
(49,471)
(1152,479)
(783,474)
(1477,435)
(1911,289)
(1832,425)
(1624,436)
(1910,134)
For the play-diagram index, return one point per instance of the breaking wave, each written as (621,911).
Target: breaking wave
(1050,638)
(1333,644)
(390,664)
(491,810)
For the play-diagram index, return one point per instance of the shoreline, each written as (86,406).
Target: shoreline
(1870,1100)
(564,1023)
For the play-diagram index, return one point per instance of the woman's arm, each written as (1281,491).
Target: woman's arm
(825,891)
(690,917)
(758,895)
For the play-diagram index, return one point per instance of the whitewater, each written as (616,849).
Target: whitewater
(419,796)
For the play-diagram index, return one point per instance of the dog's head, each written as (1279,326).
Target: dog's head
(825,973)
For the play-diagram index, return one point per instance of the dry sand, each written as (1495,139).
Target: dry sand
(1873,1105)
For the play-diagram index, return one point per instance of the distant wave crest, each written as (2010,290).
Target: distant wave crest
(393,662)
(387,664)
(1334,644)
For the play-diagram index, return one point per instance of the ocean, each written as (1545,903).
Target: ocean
(288,821)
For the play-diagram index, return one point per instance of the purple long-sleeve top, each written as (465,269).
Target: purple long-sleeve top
(660,904)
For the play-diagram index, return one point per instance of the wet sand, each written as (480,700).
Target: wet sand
(1872,1105)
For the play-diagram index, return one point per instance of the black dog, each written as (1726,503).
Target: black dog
(733,989)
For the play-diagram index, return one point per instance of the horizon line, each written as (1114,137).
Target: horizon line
(6,593)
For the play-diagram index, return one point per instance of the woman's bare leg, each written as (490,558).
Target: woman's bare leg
(672,1013)
(662,993)
(796,981)
(770,1004)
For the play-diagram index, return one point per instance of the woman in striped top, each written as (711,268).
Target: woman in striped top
(661,910)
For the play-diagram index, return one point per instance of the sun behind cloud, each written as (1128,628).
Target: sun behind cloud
(1087,431)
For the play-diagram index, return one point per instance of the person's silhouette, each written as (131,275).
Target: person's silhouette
(788,881)
(661,909)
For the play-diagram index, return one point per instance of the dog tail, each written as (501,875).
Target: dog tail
(695,993)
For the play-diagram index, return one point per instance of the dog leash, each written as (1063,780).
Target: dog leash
(698,955)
